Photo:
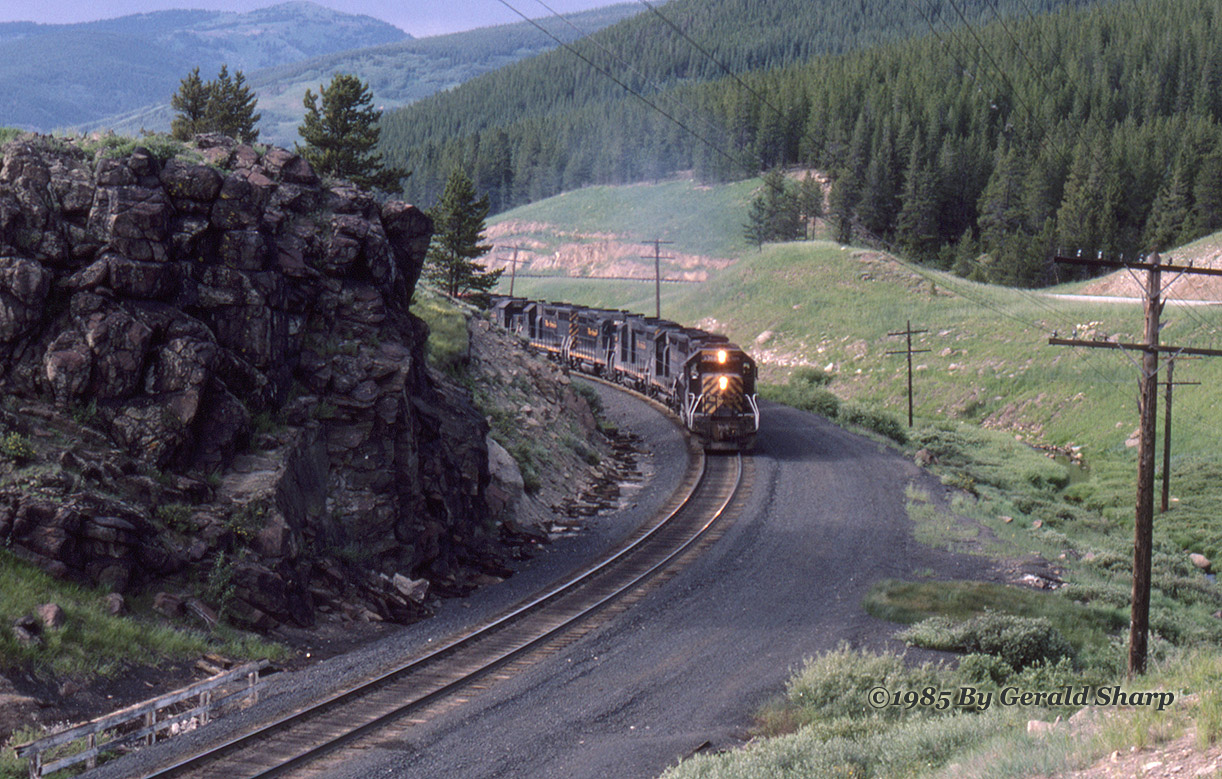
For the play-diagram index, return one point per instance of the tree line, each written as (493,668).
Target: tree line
(1090,129)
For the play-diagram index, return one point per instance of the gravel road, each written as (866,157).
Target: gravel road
(692,661)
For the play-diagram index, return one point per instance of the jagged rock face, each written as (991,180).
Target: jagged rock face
(180,300)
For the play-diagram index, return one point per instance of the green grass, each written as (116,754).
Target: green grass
(693,216)
(835,732)
(448,344)
(92,643)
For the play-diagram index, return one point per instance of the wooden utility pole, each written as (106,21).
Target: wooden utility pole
(657,273)
(1143,525)
(1169,383)
(908,332)
(513,267)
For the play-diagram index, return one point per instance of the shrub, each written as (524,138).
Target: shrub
(16,448)
(527,457)
(1018,641)
(220,588)
(591,397)
(836,684)
(806,397)
(176,516)
(811,374)
(984,669)
(883,424)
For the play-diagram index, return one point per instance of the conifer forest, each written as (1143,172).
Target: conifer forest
(980,135)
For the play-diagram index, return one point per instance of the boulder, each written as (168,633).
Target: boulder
(167,605)
(52,616)
(414,590)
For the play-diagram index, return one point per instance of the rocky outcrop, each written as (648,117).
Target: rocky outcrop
(239,334)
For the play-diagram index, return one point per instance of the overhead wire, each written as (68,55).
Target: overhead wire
(1009,83)
(876,239)
(958,288)
(725,68)
(659,89)
(626,87)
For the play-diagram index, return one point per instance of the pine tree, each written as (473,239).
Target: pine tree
(1207,194)
(191,103)
(1000,208)
(773,214)
(231,107)
(917,223)
(810,203)
(1170,210)
(458,225)
(341,133)
(224,105)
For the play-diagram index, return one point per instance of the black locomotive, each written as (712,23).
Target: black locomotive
(708,381)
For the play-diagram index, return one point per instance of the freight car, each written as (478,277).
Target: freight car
(708,381)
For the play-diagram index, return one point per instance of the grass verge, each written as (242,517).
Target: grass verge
(93,643)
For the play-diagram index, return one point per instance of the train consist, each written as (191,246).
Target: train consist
(708,381)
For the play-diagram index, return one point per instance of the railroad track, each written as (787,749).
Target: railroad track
(296,740)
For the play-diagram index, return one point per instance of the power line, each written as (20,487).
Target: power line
(721,151)
(626,87)
(707,54)
(659,89)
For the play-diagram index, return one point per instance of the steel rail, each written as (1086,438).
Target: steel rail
(316,714)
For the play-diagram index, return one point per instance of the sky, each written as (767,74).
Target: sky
(418,17)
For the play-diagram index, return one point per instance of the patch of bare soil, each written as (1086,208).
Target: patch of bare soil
(879,266)
(1177,759)
(591,255)
(1205,253)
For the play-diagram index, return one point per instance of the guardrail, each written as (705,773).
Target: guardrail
(149,712)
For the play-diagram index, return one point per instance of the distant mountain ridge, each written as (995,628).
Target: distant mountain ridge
(54,76)
(398,73)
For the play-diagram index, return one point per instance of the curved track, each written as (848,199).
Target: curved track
(302,737)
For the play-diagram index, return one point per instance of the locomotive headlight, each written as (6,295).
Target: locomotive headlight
(721,357)
(723,381)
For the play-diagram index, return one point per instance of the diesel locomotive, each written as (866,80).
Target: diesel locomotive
(708,381)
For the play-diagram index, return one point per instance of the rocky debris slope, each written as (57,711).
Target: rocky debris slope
(553,465)
(210,374)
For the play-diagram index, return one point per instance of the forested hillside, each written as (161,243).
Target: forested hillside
(565,119)
(985,148)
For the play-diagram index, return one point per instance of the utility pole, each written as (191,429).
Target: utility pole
(1169,383)
(1143,525)
(513,266)
(657,273)
(908,332)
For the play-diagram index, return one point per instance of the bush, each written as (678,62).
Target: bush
(1020,642)
(811,374)
(805,397)
(837,683)
(16,448)
(591,397)
(883,424)
(979,669)
(176,516)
